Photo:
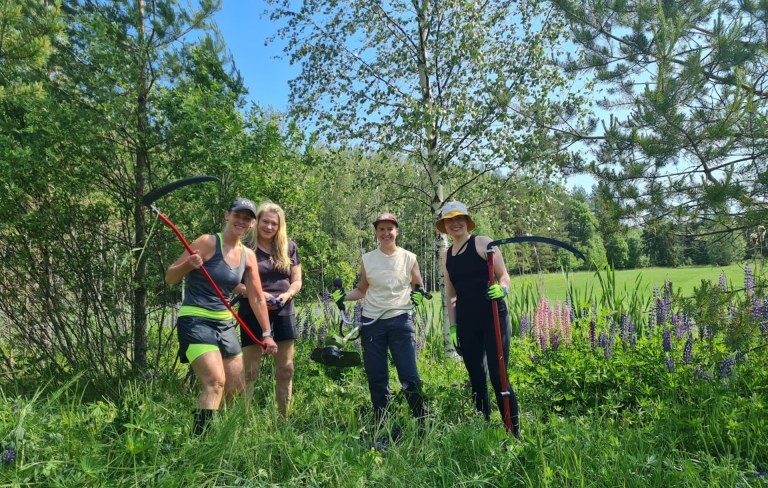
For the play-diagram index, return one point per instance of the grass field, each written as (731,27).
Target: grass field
(555,285)
(671,405)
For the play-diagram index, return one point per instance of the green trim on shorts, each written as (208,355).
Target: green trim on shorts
(193,311)
(194,351)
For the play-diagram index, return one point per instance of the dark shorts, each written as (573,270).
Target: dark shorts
(283,328)
(199,330)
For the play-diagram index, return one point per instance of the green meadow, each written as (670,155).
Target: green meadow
(681,401)
(633,281)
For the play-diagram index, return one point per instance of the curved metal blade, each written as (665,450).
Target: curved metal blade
(152,196)
(539,239)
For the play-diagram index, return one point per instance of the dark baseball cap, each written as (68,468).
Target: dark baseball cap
(243,204)
(386,217)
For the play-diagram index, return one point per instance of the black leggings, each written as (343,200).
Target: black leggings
(477,339)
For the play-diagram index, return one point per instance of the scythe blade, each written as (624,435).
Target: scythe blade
(152,196)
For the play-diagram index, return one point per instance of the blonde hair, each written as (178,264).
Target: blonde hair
(279,258)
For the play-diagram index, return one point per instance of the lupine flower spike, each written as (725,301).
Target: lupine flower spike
(688,349)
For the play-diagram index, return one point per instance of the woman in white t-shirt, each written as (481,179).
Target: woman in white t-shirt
(388,277)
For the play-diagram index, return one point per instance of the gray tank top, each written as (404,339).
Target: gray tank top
(200,293)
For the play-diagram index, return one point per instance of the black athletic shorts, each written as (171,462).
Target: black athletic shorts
(283,328)
(200,330)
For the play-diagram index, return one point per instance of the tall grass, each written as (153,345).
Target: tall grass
(632,410)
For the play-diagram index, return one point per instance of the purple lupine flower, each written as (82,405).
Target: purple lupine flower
(543,342)
(749,282)
(666,341)
(9,455)
(660,312)
(322,332)
(665,304)
(555,341)
(651,320)
(592,332)
(726,368)
(690,323)
(305,327)
(700,373)
(760,315)
(605,343)
(632,335)
(670,364)
(722,283)
(681,323)
(312,332)
(624,325)
(525,325)
(676,320)
(688,349)
(358,311)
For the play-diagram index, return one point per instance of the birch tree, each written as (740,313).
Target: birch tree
(445,84)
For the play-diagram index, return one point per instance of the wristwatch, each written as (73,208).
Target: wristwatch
(266,334)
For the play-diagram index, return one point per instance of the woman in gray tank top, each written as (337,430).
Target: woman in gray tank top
(206,331)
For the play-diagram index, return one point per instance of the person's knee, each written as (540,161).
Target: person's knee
(214,383)
(284,372)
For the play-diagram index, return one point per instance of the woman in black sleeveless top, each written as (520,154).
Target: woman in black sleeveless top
(468,294)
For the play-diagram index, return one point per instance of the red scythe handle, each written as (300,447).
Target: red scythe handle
(499,348)
(221,296)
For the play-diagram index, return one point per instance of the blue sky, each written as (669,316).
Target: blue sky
(265,75)
(244,33)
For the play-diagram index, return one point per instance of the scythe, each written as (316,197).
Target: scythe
(505,393)
(149,199)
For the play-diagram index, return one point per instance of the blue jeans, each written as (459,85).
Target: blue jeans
(397,336)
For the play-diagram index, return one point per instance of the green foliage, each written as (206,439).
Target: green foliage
(678,122)
(586,418)
(108,129)
(27,32)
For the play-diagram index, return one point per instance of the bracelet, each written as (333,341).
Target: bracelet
(266,334)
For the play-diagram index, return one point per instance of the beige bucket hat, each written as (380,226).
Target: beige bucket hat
(450,210)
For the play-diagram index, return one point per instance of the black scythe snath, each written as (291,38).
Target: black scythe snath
(505,393)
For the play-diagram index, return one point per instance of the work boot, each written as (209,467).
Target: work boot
(415,401)
(202,418)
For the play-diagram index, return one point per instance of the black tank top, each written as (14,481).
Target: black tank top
(468,272)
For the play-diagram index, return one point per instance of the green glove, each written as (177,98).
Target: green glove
(455,339)
(417,297)
(338,297)
(496,292)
